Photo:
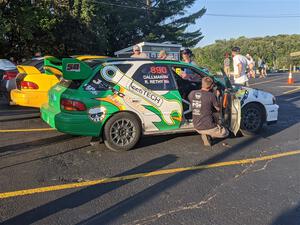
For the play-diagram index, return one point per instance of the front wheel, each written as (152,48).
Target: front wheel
(122,131)
(252,119)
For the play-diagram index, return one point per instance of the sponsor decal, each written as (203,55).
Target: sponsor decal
(255,93)
(91,89)
(73,67)
(196,104)
(97,114)
(244,97)
(148,95)
(198,95)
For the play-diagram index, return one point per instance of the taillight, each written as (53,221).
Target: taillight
(72,105)
(28,85)
(8,75)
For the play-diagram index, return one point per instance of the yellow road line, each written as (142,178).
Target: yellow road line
(291,91)
(141,175)
(26,130)
(267,81)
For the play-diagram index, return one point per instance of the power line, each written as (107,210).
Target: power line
(205,14)
(253,16)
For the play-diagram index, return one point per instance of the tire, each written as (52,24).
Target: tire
(253,118)
(121,132)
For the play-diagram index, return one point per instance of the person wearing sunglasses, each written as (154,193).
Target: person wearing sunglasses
(187,54)
(137,53)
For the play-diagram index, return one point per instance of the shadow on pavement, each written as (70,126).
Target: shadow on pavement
(115,211)
(44,157)
(289,217)
(87,194)
(33,144)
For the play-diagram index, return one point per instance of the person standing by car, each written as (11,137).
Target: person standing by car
(239,66)
(251,65)
(204,104)
(227,65)
(187,58)
(164,55)
(137,53)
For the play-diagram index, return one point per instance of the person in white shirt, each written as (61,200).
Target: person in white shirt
(239,67)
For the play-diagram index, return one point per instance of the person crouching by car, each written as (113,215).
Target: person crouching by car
(204,104)
(239,67)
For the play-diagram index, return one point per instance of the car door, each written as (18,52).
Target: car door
(231,107)
(155,85)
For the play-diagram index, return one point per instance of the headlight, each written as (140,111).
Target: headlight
(274,100)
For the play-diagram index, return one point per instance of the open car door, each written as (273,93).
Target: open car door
(232,107)
(235,120)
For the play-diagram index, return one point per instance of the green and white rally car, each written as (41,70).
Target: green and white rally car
(121,99)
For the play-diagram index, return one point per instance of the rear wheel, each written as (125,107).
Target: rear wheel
(122,132)
(252,119)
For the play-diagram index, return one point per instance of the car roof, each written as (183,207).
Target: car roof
(95,62)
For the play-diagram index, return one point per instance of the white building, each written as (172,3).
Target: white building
(152,50)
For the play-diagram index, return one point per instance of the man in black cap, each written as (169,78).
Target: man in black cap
(239,67)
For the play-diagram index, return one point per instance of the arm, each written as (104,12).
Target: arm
(215,103)
(240,67)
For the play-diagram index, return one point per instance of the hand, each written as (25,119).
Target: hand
(218,93)
(184,75)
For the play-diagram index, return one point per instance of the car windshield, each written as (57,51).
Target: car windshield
(36,62)
(5,63)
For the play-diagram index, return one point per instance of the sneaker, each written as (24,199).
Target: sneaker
(207,140)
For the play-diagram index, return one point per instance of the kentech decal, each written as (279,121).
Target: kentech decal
(97,114)
(148,95)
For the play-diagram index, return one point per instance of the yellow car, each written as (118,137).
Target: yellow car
(37,77)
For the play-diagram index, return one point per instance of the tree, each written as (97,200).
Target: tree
(274,49)
(66,27)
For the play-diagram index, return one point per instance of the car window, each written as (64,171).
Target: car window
(72,84)
(97,83)
(40,66)
(188,73)
(155,77)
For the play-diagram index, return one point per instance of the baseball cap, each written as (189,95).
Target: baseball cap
(187,51)
(236,49)
(136,47)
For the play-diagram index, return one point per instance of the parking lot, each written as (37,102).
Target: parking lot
(49,177)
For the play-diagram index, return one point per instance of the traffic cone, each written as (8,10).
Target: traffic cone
(290,79)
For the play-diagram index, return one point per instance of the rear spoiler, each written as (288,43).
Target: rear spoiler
(74,69)
(28,69)
(52,65)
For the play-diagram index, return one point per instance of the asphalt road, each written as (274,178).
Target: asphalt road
(254,191)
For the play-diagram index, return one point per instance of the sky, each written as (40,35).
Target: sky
(216,28)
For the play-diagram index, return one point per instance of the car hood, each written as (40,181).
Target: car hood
(247,94)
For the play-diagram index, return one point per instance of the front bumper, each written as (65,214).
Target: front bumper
(271,113)
(29,98)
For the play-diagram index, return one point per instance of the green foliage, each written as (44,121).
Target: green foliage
(67,27)
(274,49)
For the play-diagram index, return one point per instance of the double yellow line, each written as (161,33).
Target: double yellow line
(144,175)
